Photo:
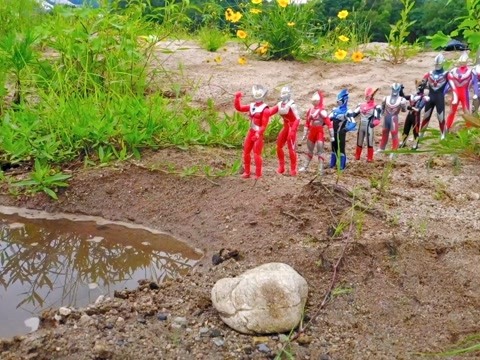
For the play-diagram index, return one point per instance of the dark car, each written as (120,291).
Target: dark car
(455,45)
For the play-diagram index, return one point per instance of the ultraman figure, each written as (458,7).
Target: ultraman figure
(392,105)
(416,104)
(476,79)
(259,115)
(316,118)
(341,125)
(460,79)
(287,109)
(369,118)
(436,82)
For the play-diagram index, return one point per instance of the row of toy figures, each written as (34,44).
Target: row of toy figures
(439,82)
(339,121)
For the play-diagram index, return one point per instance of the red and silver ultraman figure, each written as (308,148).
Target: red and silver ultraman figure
(287,109)
(391,107)
(369,118)
(259,114)
(460,79)
(316,118)
(416,104)
(436,82)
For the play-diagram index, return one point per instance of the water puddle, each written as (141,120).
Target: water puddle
(53,260)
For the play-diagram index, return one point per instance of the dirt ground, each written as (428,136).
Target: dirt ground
(407,283)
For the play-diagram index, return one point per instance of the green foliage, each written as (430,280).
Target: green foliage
(212,39)
(45,179)
(468,28)
(398,47)
(277,29)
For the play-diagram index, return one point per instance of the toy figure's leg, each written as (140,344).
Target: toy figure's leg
(310,148)
(293,157)
(426,119)
(409,122)
(333,157)
(451,116)
(360,140)
(370,142)
(319,145)
(281,140)
(395,133)
(257,155)
(416,125)
(475,105)
(342,134)
(247,149)
(387,126)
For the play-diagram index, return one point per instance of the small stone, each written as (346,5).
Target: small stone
(218,341)
(304,339)
(283,338)
(215,333)
(180,321)
(141,320)
(204,331)
(84,319)
(64,311)
(263,348)
(259,340)
(99,299)
(162,317)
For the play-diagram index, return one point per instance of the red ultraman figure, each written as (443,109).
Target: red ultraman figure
(369,118)
(287,109)
(460,79)
(316,118)
(392,105)
(259,114)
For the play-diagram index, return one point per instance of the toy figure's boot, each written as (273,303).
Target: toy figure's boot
(281,166)
(370,154)
(358,152)
(306,163)
(293,165)
(404,141)
(333,160)
(258,166)
(246,167)
(281,161)
(343,161)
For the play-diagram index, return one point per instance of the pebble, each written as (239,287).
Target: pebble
(218,341)
(180,321)
(263,348)
(162,317)
(64,311)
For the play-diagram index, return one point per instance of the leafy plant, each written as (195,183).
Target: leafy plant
(44,178)
(276,29)
(398,48)
(212,39)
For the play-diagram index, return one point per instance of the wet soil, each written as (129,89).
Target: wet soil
(404,267)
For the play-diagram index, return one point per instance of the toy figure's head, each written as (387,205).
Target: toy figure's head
(439,60)
(285,93)
(396,89)
(463,59)
(259,92)
(317,98)
(369,93)
(421,86)
(342,98)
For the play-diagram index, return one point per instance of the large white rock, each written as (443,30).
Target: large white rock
(267,299)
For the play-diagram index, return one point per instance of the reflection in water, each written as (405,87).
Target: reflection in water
(61,262)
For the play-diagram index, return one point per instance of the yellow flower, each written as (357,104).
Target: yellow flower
(357,56)
(255,11)
(340,54)
(242,60)
(282,3)
(228,14)
(342,14)
(218,59)
(257,1)
(262,50)
(343,38)
(291,23)
(241,34)
(236,17)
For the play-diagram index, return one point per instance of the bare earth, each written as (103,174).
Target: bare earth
(408,280)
